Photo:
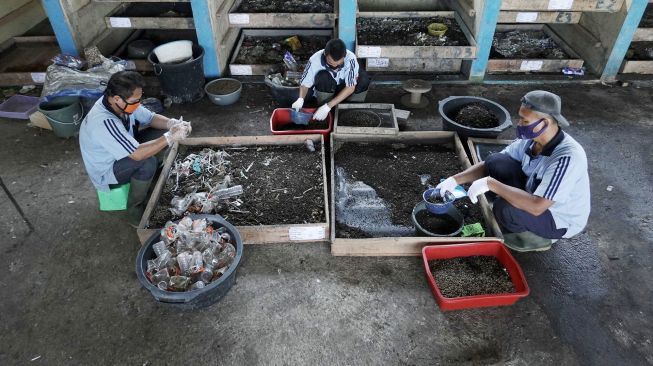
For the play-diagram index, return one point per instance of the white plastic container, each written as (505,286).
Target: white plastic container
(174,52)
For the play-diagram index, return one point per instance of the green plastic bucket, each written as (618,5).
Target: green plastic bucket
(115,199)
(64,114)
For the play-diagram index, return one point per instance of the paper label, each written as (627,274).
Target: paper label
(561,4)
(38,77)
(120,22)
(240,69)
(306,233)
(402,114)
(239,18)
(368,52)
(530,17)
(531,65)
(378,62)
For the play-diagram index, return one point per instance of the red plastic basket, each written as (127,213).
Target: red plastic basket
(281,117)
(491,248)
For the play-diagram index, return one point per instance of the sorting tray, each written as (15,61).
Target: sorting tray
(19,107)
(494,249)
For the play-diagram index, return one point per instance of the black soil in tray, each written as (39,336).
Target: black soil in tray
(437,224)
(285,6)
(270,50)
(223,87)
(469,276)
(312,125)
(284,185)
(408,32)
(165,10)
(364,118)
(640,51)
(518,44)
(647,19)
(394,172)
(476,115)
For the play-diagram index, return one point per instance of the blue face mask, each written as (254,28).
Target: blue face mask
(526,132)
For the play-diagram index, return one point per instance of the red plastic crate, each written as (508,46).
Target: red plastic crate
(281,116)
(494,249)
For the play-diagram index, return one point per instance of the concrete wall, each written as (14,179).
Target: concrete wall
(18,16)
(392,5)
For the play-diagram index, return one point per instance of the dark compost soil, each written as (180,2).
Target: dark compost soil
(640,51)
(647,19)
(174,10)
(525,44)
(285,6)
(394,171)
(469,276)
(408,32)
(270,50)
(437,224)
(476,115)
(485,150)
(284,185)
(223,87)
(363,118)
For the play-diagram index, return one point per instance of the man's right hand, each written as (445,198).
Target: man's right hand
(447,185)
(177,132)
(299,103)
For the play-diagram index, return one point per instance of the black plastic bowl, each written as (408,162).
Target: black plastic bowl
(199,298)
(447,107)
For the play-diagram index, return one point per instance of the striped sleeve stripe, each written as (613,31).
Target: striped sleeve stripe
(112,123)
(561,169)
(125,143)
(352,67)
(308,67)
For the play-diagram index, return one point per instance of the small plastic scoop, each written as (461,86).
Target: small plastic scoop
(300,117)
(448,199)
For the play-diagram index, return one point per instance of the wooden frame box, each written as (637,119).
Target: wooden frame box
(262,234)
(25,60)
(263,69)
(418,52)
(559,17)
(610,6)
(402,246)
(281,19)
(116,20)
(366,130)
(643,34)
(432,65)
(534,65)
(474,142)
(637,67)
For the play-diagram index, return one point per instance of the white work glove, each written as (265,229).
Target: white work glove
(172,122)
(177,132)
(478,187)
(447,185)
(322,112)
(299,103)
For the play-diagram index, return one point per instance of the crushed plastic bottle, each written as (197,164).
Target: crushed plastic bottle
(161,278)
(309,145)
(197,263)
(197,285)
(184,260)
(179,283)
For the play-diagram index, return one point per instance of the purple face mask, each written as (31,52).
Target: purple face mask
(526,132)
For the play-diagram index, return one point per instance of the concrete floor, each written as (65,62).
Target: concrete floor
(70,295)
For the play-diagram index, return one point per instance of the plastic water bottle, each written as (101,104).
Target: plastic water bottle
(225,193)
(207,275)
(159,248)
(179,283)
(197,285)
(161,279)
(184,260)
(197,263)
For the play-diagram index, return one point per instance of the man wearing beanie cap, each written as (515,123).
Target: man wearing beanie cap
(540,179)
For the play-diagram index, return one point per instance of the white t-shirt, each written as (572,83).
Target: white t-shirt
(348,73)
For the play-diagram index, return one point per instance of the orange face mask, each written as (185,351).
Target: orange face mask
(130,107)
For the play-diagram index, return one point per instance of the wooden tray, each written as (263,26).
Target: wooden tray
(25,60)
(262,234)
(281,19)
(366,130)
(568,5)
(403,246)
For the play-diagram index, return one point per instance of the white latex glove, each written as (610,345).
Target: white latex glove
(478,187)
(447,185)
(177,132)
(322,112)
(299,103)
(172,122)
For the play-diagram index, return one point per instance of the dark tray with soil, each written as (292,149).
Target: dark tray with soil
(481,148)
(258,51)
(148,15)
(366,118)
(640,51)
(530,48)
(405,35)
(470,276)
(282,14)
(284,187)
(378,180)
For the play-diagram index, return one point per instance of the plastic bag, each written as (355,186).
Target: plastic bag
(64,81)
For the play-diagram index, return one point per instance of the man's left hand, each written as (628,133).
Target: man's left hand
(322,112)
(478,187)
(172,122)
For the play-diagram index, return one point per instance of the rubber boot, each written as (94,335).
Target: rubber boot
(527,242)
(358,97)
(136,200)
(323,97)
